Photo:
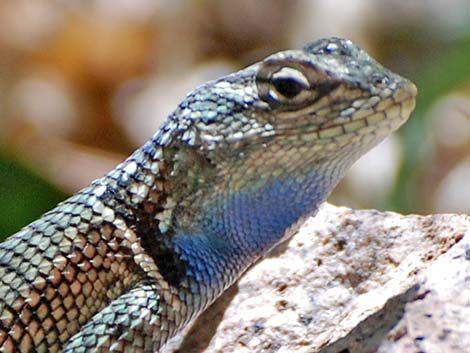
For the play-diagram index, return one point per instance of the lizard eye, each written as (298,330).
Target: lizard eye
(289,88)
(288,85)
(284,85)
(289,82)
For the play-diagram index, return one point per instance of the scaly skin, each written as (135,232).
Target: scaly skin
(127,262)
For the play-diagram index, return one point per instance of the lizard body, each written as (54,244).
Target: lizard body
(126,263)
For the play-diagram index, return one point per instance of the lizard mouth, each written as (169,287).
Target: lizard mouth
(387,115)
(377,116)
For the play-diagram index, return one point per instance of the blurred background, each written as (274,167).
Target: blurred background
(83,83)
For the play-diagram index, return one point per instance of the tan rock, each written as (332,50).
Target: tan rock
(350,281)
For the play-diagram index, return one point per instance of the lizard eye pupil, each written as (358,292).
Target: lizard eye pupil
(288,87)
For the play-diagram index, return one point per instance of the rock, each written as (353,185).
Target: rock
(350,281)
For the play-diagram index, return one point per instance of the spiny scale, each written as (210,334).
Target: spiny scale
(127,262)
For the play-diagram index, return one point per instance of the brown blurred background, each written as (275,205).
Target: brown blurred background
(83,83)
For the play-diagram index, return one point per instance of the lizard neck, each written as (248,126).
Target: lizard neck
(204,223)
(241,224)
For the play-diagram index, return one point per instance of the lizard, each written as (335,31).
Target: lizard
(126,263)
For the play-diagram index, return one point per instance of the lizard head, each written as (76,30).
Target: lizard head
(267,144)
(295,110)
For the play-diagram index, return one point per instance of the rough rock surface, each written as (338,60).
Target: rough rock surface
(351,281)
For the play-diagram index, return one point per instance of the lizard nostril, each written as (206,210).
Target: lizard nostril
(380,80)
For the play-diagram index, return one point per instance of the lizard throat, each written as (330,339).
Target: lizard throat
(236,231)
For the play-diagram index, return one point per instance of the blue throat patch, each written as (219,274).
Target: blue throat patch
(246,225)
